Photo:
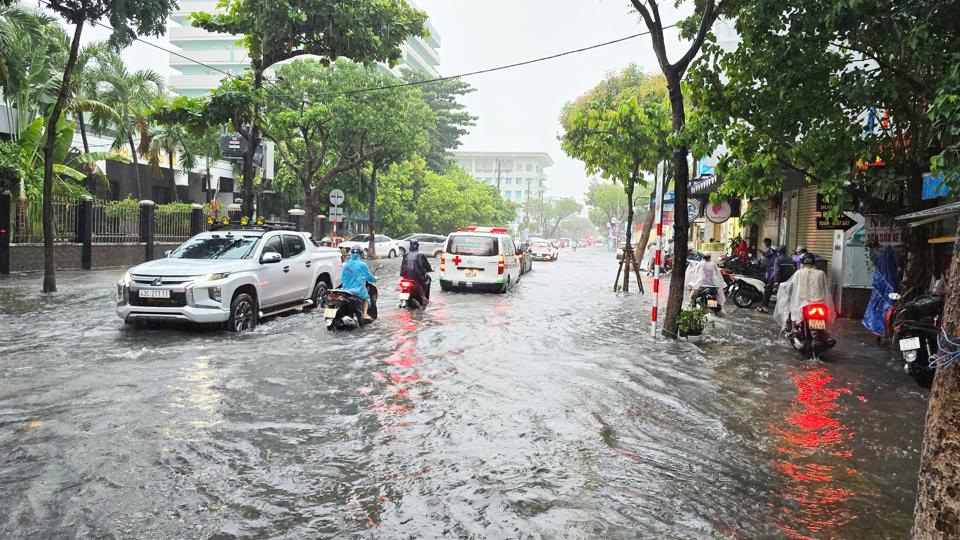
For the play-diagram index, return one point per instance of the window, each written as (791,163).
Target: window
(294,244)
(529,167)
(509,181)
(484,246)
(381,238)
(360,238)
(489,180)
(275,245)
(217,247)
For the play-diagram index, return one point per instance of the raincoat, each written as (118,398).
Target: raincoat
(884,282)
(807,286)
(356,274)
(706,274)
(743,252)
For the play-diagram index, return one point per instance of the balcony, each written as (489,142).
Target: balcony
(195,82)
(233,56)
(186,33)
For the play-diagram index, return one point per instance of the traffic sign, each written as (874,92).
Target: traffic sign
(842,223)
(337,197)
(335,214)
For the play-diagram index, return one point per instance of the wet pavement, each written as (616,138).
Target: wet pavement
(546,412)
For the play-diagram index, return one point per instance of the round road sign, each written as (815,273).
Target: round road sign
(337,197)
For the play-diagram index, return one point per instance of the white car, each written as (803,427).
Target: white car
(543,251)
(480,258)
(386,247)
(234,277)
(430,244)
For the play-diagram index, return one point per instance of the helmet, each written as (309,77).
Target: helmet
(707,256)
(414,245)
(808,258)
(782,250)
(356,250)
(801,249)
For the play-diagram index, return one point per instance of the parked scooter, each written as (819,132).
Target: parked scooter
(707,298)
(412,295)
(811,336)
(343,310)
(745,291)
(916,326)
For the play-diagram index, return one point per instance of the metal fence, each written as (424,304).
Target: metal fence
(171,225)
(116,223)
(28,222)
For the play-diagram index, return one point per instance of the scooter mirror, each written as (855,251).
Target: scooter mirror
(894,296)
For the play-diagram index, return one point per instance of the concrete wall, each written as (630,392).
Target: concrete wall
(29,257)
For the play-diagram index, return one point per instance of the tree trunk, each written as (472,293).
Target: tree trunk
(136,167)
(681,225)
(49,255)
(372,210)
(82,123)
(173,178)
(249,171)
(937,512)
(629,232)
(649,218)
(309,206)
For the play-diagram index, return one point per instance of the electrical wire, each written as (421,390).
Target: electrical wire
(948,353)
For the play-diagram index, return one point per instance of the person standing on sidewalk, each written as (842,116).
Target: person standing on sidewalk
(783,269)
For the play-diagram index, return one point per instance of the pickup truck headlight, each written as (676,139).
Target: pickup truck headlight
(215,277)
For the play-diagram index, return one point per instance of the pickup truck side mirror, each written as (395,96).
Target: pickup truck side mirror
(270,257)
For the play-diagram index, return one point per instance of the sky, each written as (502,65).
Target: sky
(518,109)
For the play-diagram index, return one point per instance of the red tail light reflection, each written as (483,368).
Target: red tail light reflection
(816,312)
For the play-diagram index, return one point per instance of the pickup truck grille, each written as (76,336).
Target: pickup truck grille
(164,280)
(177,299)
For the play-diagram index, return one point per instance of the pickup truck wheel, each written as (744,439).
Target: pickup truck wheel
(319,292)
(243,313)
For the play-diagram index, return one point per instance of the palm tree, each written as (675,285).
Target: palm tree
(84,94)
(130,95)
(168,139)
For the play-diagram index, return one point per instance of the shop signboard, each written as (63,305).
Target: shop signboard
(841,223)
(883,230)
(718,213)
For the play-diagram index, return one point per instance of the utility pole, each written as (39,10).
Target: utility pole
(498,177)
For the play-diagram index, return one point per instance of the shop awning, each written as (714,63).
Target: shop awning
(704,185)
(931,215)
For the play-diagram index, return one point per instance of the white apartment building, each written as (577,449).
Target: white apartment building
(222,51)
(518,176)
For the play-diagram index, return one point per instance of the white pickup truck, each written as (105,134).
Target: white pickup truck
(232,276)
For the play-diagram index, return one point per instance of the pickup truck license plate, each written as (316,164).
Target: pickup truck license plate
(405,296)
(154,293)
(817,324)
(330,313)
(470,273)
(910,344)
(712,303)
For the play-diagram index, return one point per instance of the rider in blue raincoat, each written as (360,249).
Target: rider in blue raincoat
(356,275)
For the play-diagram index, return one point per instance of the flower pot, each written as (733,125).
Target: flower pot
(691,332)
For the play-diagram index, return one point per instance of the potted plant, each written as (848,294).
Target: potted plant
(691,322)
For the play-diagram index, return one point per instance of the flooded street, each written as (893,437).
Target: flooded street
(545,412)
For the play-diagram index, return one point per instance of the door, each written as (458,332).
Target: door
(300,276)
(272,277)
(384,246)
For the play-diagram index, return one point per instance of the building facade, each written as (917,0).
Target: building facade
(223,52)
(518,176)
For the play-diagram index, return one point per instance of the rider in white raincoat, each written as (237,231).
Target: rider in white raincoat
(706,274)
(807,286)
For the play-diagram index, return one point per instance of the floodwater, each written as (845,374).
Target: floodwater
(546,412)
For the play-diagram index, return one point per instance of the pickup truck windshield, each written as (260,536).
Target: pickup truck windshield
(216,247)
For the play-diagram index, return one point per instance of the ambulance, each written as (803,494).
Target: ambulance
(480,258)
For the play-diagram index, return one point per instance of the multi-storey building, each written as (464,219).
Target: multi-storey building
(518,176)
(223,52)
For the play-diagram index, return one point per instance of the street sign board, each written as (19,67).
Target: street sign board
(337,197)
(233,146)
(822,205)
(842,223)
(884,231)
(335,214)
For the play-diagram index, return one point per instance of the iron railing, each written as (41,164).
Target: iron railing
(171,226)
(116,223)
(28,222)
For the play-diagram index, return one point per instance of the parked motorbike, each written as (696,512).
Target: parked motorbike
(744,291)
(754,269)
(343,310)
(707,298)
(916,325)
(811,336)
(412,295)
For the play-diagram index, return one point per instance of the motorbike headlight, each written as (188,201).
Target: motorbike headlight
(215,277)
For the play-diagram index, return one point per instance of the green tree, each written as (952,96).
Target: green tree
(553,212)
(129,97)
(455,199)
(452,116)
(696,28)
(280,30)
(606,203)
(168,140)
(620,129)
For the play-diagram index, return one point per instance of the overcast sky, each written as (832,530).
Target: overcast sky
(518,109)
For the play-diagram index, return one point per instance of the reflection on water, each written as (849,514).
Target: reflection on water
(815,459)
(194,390)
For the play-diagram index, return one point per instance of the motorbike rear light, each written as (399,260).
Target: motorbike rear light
(405,285)
(501,264)
(816,312)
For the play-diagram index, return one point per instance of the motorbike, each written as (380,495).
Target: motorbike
(810,335)
(754,269)
(412,295)
(343,309)
(916,327)
(707,298)
(745,291)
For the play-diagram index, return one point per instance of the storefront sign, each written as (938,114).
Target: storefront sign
(883,231)
(842,223)
(822,205)
(693,209)
(718,213)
